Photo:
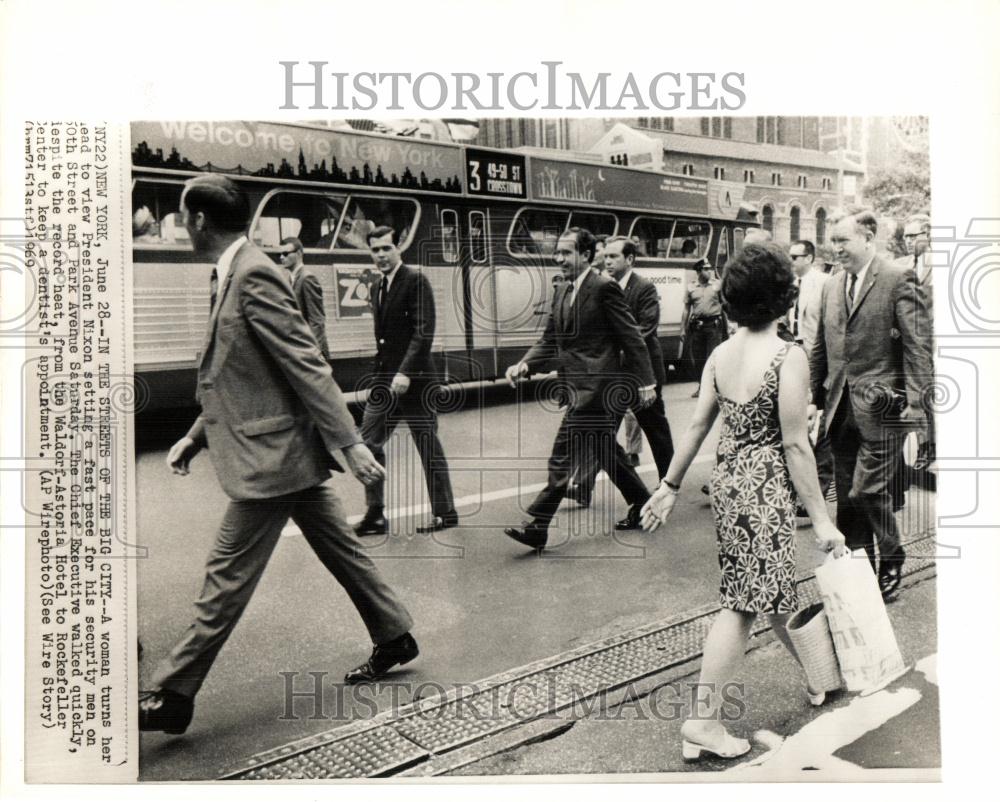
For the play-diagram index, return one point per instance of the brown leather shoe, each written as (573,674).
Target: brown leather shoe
(530,535)
(165,710)
(446,521)
(396,652)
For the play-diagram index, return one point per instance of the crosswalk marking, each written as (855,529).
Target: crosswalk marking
(478,499)
(814,745)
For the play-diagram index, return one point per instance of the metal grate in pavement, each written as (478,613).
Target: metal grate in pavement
(391,741)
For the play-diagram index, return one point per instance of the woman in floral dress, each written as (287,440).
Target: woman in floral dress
(760,383)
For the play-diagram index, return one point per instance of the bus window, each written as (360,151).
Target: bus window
(535,232)
(690,240)
(449,236)
(738,235)
(595,222)
(652,236)
(477,236)
(365,214)
(310,217)
(155,216)
(722,256)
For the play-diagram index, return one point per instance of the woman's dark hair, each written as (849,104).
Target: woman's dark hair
(758,285)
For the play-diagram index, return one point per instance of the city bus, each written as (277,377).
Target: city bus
(481,223)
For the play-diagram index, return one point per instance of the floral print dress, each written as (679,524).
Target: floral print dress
(753,502)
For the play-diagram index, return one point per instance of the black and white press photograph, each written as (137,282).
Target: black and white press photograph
(517,447)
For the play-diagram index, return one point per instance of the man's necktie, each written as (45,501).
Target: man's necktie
(795,320)
(213,288)
(381,295)
(568,304)
(850,292)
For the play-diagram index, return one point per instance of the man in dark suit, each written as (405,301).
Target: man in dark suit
(307,289)
(644,303)
(869,366)
(272,416)
(404,384)
(589,328)
(917,237)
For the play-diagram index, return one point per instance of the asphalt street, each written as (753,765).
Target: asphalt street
(482,603)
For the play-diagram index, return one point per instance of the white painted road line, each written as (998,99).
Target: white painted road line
(478,499)
(814,745)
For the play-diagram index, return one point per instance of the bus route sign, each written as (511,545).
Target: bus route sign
(495,175)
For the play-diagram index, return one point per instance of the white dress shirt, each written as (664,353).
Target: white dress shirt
(226,261)
(857,287)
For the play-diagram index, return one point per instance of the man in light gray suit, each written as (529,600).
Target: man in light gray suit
(869,366)
(272,416)
(308,291)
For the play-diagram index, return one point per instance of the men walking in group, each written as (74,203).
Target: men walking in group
(869,367)
(589,328)
(703,324)
(307,289)
(644,303)
(272,417)
(404,383)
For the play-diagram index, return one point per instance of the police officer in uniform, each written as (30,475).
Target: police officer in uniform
(703,324)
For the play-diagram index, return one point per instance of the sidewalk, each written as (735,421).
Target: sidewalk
(897,728)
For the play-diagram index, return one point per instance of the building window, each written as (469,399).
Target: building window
(720,173)
(767,130)
(827,183)
(767,218)
(657,123)
(688,169)
(810,133)
(802,182)
(719,127)
(775,179)
(795,224)
(820,226)
(748,176)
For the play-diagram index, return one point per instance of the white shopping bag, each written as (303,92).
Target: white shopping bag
(866,645)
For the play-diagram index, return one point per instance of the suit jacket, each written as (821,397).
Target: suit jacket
(309,295)
(810,300)
(404,325)
(644,302)
(925,278)
(271,411)
(586,342)
(881,349)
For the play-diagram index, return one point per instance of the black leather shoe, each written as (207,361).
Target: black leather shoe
(532,536)
(164,710)
(631,521)
(385,656)
(446,521)
(578,494)
(372,526)
(890,575)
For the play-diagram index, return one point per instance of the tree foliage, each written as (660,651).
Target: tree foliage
(901,190)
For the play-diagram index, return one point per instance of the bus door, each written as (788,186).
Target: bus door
(472,314)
